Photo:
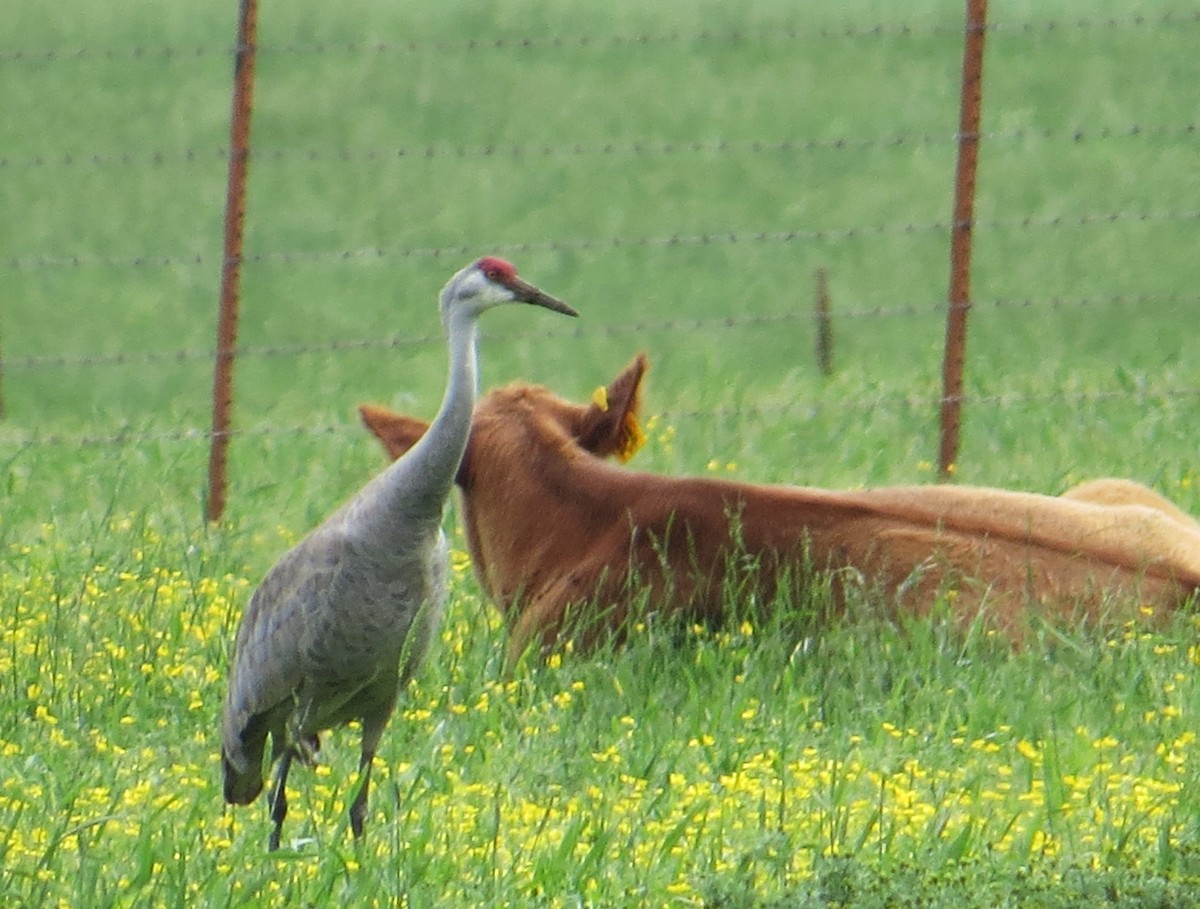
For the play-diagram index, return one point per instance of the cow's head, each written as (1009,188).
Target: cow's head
(606,427)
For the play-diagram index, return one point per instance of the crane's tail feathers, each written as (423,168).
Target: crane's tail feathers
(241,786)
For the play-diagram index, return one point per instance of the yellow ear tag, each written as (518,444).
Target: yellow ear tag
(632,438)
(600,398)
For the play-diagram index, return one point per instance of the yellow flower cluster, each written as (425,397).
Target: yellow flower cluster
(113,677)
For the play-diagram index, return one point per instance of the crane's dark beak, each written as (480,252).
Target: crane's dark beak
(527,293)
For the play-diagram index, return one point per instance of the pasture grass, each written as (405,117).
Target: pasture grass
(743,766)
(872,764)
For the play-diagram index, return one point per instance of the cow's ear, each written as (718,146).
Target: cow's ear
(397,433)
(610,426)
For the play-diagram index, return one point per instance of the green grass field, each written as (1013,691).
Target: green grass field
(678,172)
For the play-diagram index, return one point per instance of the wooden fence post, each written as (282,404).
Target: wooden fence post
(824,324)
(235,211)
(960,238)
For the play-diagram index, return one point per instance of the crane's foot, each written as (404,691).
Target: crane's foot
(306,750)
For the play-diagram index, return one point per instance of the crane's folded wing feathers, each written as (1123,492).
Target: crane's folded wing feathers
(265,671)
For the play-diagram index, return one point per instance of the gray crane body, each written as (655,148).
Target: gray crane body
(346,616)
(332,633)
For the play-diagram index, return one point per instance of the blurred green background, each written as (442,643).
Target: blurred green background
(597,147)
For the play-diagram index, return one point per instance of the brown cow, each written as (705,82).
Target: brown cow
(556,531)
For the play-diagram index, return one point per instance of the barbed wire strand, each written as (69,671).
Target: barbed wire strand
(169,53)
(799,315)
(907,402)
(640,147)
(584,244)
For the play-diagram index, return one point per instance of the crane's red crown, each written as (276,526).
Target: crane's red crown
(498,270)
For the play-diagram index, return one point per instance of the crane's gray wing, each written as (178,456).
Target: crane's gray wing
(266,666)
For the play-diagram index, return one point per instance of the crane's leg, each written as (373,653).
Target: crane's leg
(358,810)
(373,725)
(279,796)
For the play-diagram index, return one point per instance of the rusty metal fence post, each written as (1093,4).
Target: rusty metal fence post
(235,211)
(959,303)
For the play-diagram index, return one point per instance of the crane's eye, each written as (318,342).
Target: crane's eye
(492,274)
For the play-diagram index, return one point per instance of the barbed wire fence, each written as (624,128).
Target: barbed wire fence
(958,306)
(581,244)
(1168,18)
(616,329)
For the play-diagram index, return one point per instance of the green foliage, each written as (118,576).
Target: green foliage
(758,765)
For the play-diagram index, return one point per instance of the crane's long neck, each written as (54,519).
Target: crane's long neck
(414,489)
(440,450)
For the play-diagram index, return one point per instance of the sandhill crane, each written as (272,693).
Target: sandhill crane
(345,617)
